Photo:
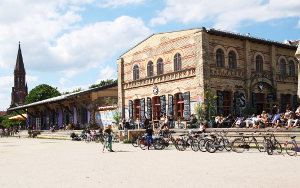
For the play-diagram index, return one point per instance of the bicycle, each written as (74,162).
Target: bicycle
(214,144)
(105,143)
(157,143)
(116,137)
(136,140)
(240,144)
(272,145)
(183,142)
(291,147)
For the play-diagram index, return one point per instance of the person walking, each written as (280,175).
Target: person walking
(108,132)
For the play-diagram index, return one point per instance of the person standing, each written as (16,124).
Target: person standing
(108,132)
(149,132)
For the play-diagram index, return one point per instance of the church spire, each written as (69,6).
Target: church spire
(19,63)
(20,90)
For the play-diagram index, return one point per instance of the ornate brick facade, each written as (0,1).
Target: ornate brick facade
(234,74)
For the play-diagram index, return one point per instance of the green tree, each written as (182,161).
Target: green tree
(116,117)
(5,122)
(207,109)
(104,82)
(41,92)
(74,91)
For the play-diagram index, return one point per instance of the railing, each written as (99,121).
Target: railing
(186,73)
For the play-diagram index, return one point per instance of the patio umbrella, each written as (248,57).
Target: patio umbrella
(19,117)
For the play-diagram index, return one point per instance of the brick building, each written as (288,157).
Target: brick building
(169,72)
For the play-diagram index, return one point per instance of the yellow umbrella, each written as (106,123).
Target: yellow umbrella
(19,117)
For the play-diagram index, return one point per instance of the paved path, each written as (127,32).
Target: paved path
(43,163)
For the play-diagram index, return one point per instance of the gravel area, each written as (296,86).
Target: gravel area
(43,163)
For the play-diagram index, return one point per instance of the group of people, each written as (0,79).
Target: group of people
(8,132)
(275,119)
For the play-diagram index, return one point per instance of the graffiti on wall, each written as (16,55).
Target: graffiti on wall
(105,118)
(240,102)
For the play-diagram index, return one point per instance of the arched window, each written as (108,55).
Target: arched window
(292,68)
(282,67)
(259,62)
(136,72)
(220,59)
(232,60)
(177,62)
(150,69)
(160,66)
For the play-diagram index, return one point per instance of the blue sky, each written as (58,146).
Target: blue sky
(75,43)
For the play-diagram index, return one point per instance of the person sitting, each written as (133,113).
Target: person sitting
(202,127)
(258,122)
(250,121)
(264,116)
(218,120)
(165,130)
(227,122)
(291,121)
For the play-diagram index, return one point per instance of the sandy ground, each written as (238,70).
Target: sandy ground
(43,163)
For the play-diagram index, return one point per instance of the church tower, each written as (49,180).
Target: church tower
(19,91)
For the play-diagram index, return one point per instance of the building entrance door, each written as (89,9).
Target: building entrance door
(260,102)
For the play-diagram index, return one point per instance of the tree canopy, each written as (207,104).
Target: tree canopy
(104,82)
(41,92)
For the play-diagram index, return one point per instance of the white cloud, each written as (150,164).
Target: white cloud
(63,81)
(54,41)
(90,46)
(226,14)
(54,38)
(31,79)
(106,73)
(6,84)
(117,3)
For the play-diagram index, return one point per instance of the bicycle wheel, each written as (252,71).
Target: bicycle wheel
(277,147)
(159,143)
(201,144)
(134,142)
(105,145)
(88,140)
(227,145)
(143,143)
(238,145)
(194,145)
(260,147)
(175,143)
(181,145)
(269,147)
(210,146)
(116,138)
(290,148)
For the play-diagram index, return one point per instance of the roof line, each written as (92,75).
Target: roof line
(225,33)
(158,34)
(63,97)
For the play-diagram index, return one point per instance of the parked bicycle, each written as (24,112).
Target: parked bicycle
(272,145)
(215,143)
(239,145)
(291,147)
